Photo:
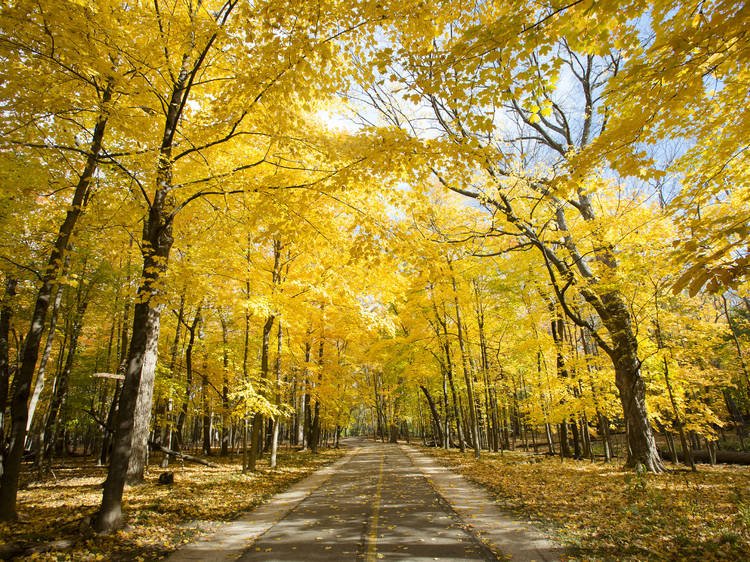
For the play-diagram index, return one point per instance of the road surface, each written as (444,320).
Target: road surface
(381,501)
(377,506)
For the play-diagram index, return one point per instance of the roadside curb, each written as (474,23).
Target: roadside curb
(229,541)
(509,539)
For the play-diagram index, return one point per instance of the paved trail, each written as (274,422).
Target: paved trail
(376,506)
(378,503)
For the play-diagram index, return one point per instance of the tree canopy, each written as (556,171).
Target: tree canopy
(485,223)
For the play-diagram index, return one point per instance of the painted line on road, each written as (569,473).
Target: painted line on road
(227,543)
(507,538)
(372,537)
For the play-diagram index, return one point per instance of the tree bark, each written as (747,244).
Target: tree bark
(447,368)
(111,416)
(42,370)
(225,387)
(188,377)
(61,388)
(473,425)
(255,436)
(315,426)
(642,446)
(123,362)
(19,404)
(165,434)
(446,410)
(255,442)
(456,410)
(206,410)
(6,314)
(156,246)
(736,414)
(307,402)
(492,441)
(301,411)
(277,392)
(613,312)
(564,443)
(435,415)
(146,319)
(142,414)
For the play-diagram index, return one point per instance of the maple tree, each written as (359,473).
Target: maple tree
(518,122)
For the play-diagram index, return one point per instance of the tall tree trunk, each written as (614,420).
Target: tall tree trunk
(277,392)
(112,415)
(166,435)
(446,411)
(61,388)
(588,450)
(492,441)
(315,428)
(188,376)
(612,309)
(301,410)
(207,416)
(245,370)
(686,451)
(577,453)
(642,446)
(6,314)
(155,248)
(255,436)
(603,423)
(307,406)
(441,323)
(378,406)
(122,365)
(224,387)
(564,442)
(454,395)
(604,426)
(19,403)
(144,400)
(471,406)
(435,415)
(145,334)
(42,370)
(57,401)
(550,441)
(623,352)
(435,439)
(255,443)
(736,414)
(558,336)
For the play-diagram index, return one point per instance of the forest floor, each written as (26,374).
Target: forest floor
(160,517)
(601,511)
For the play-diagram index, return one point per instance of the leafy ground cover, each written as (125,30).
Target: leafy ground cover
(600,511)
(160,517)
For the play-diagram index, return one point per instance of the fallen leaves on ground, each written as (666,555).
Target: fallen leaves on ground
(601,511)
(160,518)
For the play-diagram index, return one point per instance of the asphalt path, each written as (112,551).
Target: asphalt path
(376,506)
